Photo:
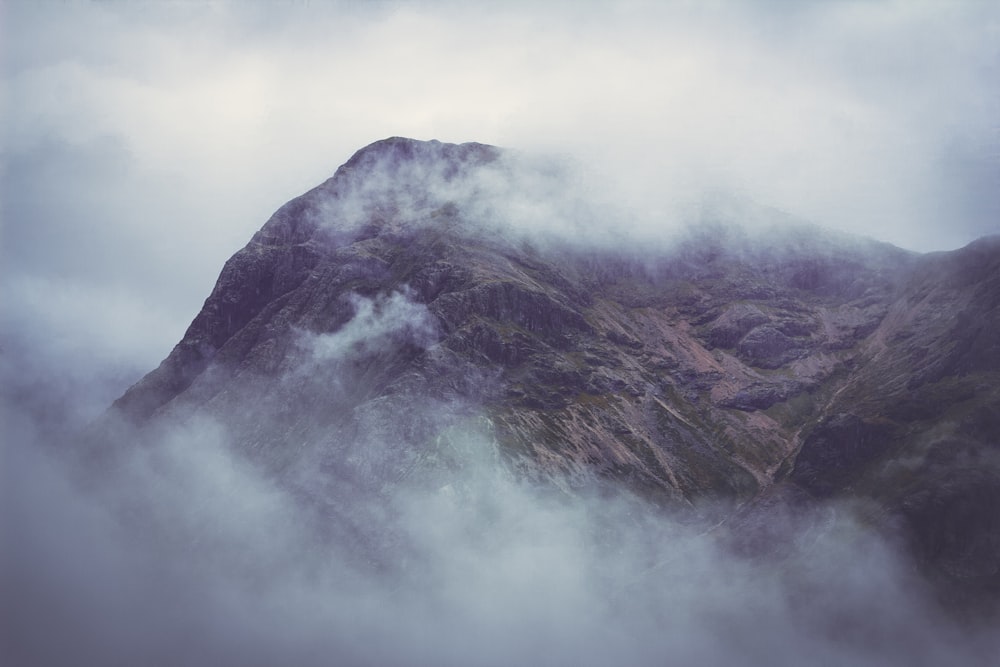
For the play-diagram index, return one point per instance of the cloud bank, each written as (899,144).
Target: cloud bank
(178,546)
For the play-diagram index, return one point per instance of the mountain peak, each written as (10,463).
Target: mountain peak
(721,368)
(395,151)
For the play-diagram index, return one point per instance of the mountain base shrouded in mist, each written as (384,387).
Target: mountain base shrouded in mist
(447,408)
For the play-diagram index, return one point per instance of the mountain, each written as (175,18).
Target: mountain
(728,371)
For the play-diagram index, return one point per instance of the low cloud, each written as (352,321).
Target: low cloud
(393,545)
(382,322)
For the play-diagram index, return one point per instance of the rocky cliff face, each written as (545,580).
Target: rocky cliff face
(723,369)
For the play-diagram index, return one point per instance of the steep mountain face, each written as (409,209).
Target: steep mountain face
(401,298)
(915,427)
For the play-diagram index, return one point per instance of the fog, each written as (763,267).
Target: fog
(174,545)
(145,142)
(186,556)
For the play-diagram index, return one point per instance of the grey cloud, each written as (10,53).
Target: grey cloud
(539,199)
(182,552)
(145,142)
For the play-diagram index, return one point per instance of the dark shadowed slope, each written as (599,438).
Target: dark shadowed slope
(723,367)
(917,425)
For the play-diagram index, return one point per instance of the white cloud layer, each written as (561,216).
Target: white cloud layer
(176,551)
(376,324)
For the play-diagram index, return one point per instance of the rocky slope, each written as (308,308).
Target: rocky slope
(396,299)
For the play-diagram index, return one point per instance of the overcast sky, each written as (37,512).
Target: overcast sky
(145,142)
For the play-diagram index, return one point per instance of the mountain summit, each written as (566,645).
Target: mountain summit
(429,286)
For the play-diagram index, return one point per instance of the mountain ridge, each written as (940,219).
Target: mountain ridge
(710,372)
